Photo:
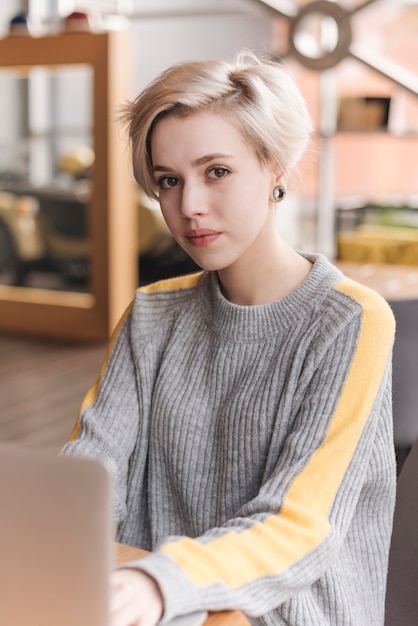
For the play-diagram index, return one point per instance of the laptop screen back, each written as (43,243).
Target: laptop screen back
(55,539)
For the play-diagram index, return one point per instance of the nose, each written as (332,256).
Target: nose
(192,200)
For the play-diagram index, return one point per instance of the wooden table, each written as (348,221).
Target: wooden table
(393,282)
(223,618)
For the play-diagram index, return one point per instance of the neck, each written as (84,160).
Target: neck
(274,277)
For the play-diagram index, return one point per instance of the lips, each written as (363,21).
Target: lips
(202,237)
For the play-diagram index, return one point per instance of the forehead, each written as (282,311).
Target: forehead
(204,131)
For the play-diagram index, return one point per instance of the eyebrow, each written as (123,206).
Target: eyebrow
(200,161)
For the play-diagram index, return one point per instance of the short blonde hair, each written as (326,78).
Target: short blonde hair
(257,95)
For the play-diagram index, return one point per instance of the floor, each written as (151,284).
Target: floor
(42,384)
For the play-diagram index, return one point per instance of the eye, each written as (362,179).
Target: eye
(167,182)
(218,172)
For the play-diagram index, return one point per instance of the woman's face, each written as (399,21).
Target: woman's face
(214,193)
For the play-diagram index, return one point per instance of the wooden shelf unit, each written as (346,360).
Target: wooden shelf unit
(112,221)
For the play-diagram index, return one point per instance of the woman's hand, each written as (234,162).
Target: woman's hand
(136,599)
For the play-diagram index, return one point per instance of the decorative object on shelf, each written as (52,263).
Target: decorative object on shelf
(363,113)
(83,22)
(76,22)
(19,25)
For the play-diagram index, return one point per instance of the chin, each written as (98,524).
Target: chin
(212,267)
(210,263)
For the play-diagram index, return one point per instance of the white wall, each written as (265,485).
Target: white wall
(7,11)
(161,41)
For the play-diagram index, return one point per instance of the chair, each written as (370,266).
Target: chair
(402,582)
(405,377)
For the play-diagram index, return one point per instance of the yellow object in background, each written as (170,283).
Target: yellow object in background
(379,244)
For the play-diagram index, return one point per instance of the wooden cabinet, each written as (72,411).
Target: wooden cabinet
(89,315)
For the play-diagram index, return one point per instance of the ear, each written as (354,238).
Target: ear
(281,179)
(278,176)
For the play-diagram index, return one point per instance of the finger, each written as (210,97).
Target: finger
(126,616)
(123,589)
(134,599)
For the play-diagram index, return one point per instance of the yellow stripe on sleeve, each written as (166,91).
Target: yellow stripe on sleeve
(271,546)
(90,396)
(170,284)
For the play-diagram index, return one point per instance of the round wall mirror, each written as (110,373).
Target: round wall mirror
(320,35)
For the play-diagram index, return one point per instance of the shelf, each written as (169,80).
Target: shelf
(111,216)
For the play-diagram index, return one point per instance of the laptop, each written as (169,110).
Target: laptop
(57,540)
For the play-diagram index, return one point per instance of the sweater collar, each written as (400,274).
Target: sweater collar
(250,323)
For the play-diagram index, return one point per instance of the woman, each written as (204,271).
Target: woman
(246,408)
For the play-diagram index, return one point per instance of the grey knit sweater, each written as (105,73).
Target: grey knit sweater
(253,447)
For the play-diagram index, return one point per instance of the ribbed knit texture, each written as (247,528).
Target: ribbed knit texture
(264,434)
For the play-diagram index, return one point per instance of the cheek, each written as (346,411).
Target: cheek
(168,213)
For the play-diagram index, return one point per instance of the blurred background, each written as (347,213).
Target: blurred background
(65,249)
(360,172)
